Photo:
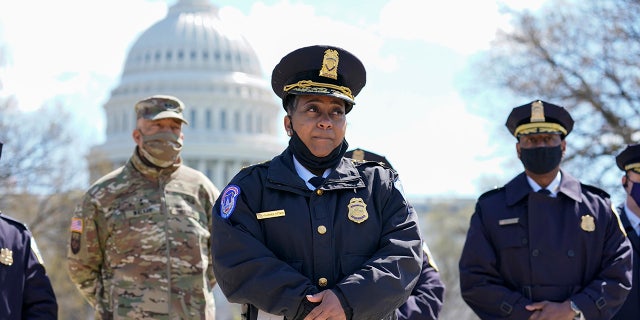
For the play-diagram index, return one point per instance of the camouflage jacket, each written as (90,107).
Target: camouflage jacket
(139,245)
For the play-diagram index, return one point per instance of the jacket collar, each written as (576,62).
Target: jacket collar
(344,176)
(518,188)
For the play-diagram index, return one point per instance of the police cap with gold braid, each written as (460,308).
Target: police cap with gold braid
(539,117)
(319,70)
(629,158)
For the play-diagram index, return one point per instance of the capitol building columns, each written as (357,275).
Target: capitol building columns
(230,107)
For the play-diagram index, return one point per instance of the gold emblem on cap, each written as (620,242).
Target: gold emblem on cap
(357,210)
(358,155)
(330,64)
(6,256)
(537,112)
(587,223)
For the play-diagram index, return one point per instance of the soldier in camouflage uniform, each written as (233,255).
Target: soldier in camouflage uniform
(139,245)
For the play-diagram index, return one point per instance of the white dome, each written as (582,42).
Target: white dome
(233,114)
(191,37)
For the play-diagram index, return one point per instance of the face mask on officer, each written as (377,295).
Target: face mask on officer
(635,191)
(162,149)
(541,160)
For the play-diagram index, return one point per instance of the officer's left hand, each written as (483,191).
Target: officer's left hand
(547,310)
(329,308)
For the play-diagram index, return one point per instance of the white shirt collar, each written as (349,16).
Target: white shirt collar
(554,186)
(306,174)
(633,219)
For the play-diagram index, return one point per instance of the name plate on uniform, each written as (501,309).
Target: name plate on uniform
(505,222)
(270,214)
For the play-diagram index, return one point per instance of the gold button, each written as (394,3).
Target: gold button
(322,229)
(319,192)
(322,282)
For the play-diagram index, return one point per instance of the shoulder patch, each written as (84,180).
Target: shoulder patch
(595,190)
(228,200)
(490,192)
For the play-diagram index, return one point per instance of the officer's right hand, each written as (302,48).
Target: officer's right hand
(329,308)
(547,310)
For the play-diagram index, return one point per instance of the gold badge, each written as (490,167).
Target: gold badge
(587,223)
(6,256)
(330,64)
(537,112)
(357,210)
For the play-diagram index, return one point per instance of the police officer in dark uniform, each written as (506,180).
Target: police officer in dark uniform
(629,162)
(544,246)
(427,297)
(25,289)
(311,233)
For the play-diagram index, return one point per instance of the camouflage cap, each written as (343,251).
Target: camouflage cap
(160,107)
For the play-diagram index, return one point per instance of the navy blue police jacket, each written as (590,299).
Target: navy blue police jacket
(525,247)
(25,289)
(427,297)
(275,241)
(631,307)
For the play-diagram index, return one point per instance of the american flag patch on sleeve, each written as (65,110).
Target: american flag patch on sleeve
(76,225)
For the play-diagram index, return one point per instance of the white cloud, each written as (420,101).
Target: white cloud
(274,32)
(51,48)
(462,25)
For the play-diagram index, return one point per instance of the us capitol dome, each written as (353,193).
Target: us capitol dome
(232,112)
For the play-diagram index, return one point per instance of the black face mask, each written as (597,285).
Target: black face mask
(311,162)
(635,191)
(541,160)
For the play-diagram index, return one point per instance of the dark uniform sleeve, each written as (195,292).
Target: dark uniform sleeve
(239,253)
(481,284)
(608,290)
(427,297)
(393,270)
(39,300)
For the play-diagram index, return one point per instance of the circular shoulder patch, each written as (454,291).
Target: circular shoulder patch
(228,200)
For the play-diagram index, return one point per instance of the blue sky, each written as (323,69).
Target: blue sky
(415,51)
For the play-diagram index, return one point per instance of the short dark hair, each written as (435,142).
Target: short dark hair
(290,103)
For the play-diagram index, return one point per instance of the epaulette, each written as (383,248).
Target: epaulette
(595,190)
(248,169)
(263,163)
(490,192)
(13,221)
